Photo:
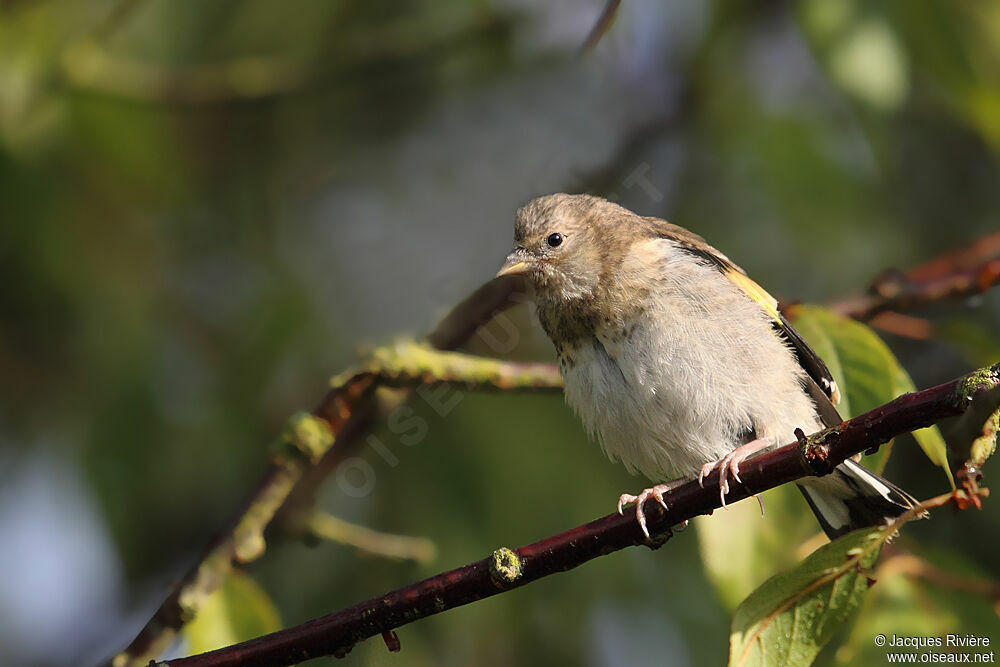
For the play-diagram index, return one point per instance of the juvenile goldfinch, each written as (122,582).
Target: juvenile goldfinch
(675,360)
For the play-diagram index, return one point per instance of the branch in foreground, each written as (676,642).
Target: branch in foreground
(337,633)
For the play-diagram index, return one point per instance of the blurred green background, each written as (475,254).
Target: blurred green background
(206,206)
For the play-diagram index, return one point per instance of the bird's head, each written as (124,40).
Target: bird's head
(564,244)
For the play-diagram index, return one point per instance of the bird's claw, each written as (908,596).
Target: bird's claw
(655,492)
(728,465)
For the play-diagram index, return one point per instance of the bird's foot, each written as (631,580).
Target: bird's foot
(730,465)
(655,492)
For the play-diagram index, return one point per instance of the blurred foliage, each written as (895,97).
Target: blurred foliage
(921,596)
(238,610)
(204,207)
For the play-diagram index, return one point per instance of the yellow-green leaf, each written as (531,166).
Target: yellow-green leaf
(236,611)
(794,614)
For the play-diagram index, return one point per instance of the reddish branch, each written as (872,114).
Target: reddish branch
(336,634)
(965,272)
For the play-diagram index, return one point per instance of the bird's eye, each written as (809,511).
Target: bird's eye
(554,240)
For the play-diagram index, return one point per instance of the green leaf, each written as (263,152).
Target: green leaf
(794,614)
(236,611)
(867,372)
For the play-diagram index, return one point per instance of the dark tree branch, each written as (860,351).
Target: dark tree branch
(337,633)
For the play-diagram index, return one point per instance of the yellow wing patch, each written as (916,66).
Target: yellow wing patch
(807,357)
(755,292)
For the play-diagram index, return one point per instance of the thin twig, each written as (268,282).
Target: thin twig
(404,547)
(602,26)
(907,326)
(337,633)
(911,565)
(969,257)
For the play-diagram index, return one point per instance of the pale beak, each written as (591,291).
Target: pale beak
(514,265)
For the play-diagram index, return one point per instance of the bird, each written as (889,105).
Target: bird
(677,362)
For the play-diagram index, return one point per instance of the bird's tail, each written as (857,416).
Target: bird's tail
(853,497)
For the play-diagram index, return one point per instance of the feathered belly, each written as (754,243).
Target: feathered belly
(633,407)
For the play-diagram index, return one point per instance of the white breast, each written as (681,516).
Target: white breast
(695,375)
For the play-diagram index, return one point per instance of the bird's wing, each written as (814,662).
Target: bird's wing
(821,386)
